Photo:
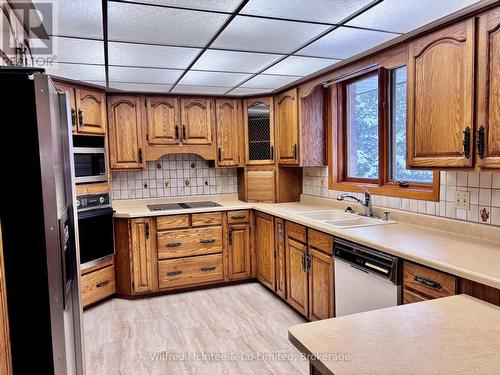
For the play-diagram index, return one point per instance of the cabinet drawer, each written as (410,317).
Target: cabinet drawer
(172,222)
(98,285)
(234,217)
(296,231)
(187,271)
(426,283)
(189,242)
(320,241)
(209,218)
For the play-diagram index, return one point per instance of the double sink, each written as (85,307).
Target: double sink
(343,220)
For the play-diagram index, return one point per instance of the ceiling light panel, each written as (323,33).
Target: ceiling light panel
(82,51)
(240,91)
(265,81)
(129,54)
(404,15)
(345,42)
(143,75)
(233,61)
(265,35)
(329,11)
(207,90)
(200,78)
(77,71)
(214,5)
(140,87)
(78,18)
(156,25)
(300,66)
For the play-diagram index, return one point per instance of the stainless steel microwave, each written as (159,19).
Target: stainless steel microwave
(90,165)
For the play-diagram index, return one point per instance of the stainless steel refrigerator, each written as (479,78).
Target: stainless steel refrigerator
(39,226)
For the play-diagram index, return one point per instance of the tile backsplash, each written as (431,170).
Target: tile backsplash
(174,175)
(484,188)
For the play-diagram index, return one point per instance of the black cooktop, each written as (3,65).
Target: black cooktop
(178,206)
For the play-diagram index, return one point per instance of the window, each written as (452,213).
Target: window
(369,132)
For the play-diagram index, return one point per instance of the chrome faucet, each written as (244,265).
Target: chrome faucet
(366,203)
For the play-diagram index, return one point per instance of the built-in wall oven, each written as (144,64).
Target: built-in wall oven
(90,164)
(95,224)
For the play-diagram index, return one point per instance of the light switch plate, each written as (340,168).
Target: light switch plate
(462,200)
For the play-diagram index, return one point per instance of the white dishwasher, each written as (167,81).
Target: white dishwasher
(365,279)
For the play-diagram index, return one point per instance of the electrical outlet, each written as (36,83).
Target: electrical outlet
(462,200)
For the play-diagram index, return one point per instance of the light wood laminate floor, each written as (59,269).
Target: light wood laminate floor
(241,321)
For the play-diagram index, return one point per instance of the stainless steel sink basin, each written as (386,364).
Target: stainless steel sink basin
(343,220)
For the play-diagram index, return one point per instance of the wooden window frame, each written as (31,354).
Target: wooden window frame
(337,145)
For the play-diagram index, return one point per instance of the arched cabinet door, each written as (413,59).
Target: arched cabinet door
(488,90)
(440,102)
(163,120)
(125,132)
(259,131)
(228,119)
(288,127)
(196,119)
(91,111)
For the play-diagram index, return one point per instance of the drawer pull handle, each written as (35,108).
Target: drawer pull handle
(101,284)
(427,282)
(173,273)
(174,244)
(211,240)
(208,269)
(238,217)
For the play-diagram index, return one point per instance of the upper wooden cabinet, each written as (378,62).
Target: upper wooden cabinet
(259,131)
(88,109)
(300,126)
(196,120)
(488,90)
(163,120)
(229,123)
(125,132)
(440,99)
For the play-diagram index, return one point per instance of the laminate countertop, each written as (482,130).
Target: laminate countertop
(473,258)
(452,335)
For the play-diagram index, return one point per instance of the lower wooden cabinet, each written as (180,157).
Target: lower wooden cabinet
(98,285)
(321,291)
(239,252)
(264,247)
(421,283)
(297,276)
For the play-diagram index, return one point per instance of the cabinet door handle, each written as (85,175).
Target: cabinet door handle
(208,268)
(480,142)
(303,263)
(230,237)
(210,240)
(238,217)
(140,154)
(281,235)
(427,282)
(184,132)
(147,231)
(174,244)
(466,142)
(272,152)
(177,132)
(80,117)
(295,151)
(219,154)
(73,117)
(173,273)
(101,284)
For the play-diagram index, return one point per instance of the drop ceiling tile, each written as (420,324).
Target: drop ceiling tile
(143,75)
(205,90)
(201,78)
(78,71)
(140,87)
(329,11)
(265,81)
(130,54)
(300,66)
(78,18)
(405,15)
(215,5)
(265,35)
(233,61)
(155,25)
(82,51)
(345,42)
(240,91)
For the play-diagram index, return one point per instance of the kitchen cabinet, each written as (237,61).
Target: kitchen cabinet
(229,124)
(97,285)
(440,103)
(280,257)
(488,90)
(125,132)
(72,102)
(143,248)
(264,247)
(259,131)
(422,283)
(260,185)
(163,120)
(288,127)
(321,292)
(181,272)
(296,275)
(480,291)
(196,120)
(239,265)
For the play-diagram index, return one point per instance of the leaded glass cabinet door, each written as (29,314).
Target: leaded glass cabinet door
(259,131)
